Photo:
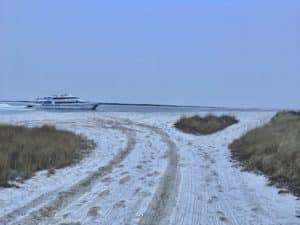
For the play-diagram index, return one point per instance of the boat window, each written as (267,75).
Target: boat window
(64,102)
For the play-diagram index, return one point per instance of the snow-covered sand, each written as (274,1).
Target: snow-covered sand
(145,172)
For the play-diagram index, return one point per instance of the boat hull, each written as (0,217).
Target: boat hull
(65,106)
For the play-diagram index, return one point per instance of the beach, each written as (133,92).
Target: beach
(144,171)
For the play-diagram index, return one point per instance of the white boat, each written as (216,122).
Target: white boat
(62,102)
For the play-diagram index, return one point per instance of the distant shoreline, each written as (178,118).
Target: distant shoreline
(219,108)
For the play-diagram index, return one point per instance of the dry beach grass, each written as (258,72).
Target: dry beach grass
(25,150)
(204,125)
(273,149)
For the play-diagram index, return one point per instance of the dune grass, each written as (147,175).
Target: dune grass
(25,150)
(273,149)
(204,125)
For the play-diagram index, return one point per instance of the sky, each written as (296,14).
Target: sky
(213,52)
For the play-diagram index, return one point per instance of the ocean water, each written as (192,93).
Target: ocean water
(135,108)
(7,109)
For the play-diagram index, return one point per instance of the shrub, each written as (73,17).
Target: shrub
(204,125)
(273,149)
(25,150)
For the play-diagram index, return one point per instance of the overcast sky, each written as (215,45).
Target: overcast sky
(219,52)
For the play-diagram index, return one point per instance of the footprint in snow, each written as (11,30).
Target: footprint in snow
(66,215)
(151,183)
(93,212)
(298,213)
(212,161)
(255,209)
(165,156)
(124,180)
(136,191)
(219,187)
(214,173)
(72,223)
(154,174)
(104,193)
(212,199)
(124,173)
(140,167)
(146,194)
(83,202)
(222,216)
(107,180)
(120,204)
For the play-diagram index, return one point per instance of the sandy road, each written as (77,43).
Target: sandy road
(52,208)
(213,190)
(47,212)
(145,172)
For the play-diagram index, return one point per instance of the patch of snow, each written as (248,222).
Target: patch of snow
(118,181)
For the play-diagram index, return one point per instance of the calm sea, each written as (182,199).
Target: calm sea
(4,109)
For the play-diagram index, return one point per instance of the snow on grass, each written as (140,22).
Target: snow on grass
(108,143)
(212,188)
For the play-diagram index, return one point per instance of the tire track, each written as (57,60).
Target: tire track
(45,215)
(164,199)
(160,208)
(192,205)
(113,214)
(43,211)
(22,211)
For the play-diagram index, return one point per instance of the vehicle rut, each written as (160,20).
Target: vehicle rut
(164,199)
(44,211)
(45,215)
(163,202)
